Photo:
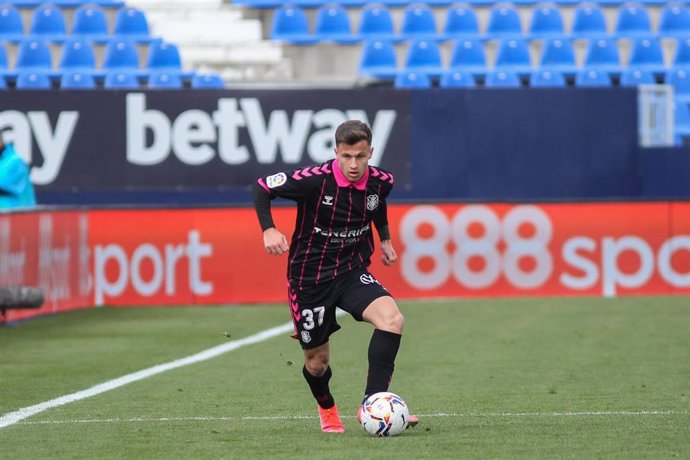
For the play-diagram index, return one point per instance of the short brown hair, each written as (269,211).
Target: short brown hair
(351,132)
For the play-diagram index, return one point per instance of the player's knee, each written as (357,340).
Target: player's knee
(317,365)
(395,323)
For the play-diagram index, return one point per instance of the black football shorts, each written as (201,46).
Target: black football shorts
(313,308)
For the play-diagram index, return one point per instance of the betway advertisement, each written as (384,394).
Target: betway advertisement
(216,256)
(111,140)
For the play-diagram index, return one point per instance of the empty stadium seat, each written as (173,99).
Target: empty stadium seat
(513,54)
(543,78)
(681,57)
(411,79)
(3,60)
(11,26)
(461,22)
(457,79)
(603,54)
(679,78)
(77,80)
(90,22)
(121,55)
(502,79)
(504,22)
(591,78)
(78,54)
(418,22)
(207,81)
(674,21)
(165,80)
(469,55)
(378,59)
(164,56)
(635,77)
(558,54)
(377,22)
(132,23)
(633,21)
(48,22)
(424,56)
(646,54)
(33,80)
(681,113)
(589,21)
(333,24)
(3,83)
(290,24)
(546,21)
(34,56)
(120,80)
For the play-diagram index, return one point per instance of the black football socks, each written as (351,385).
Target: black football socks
(383,349)
(319,387)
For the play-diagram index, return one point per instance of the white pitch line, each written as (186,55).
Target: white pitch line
(311,417)
(26,412)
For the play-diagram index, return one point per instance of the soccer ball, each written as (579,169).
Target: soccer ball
(384,414)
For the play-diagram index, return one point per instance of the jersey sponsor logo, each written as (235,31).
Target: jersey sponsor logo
(372,202)
(276,180)
(368,279)
(342,233)
(306,337)
(327,200)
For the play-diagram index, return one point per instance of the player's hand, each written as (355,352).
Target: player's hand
(389,255)
(275,242)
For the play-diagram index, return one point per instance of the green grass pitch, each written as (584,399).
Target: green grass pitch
(512,378)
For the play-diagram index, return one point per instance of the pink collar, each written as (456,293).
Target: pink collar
(343,181)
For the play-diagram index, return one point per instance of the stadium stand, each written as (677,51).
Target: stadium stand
(457,79)
(412,79)
(544,78)
(502,79)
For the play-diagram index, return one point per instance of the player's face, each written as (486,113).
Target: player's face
(353,159)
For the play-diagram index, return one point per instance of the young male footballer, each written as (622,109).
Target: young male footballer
(328,256)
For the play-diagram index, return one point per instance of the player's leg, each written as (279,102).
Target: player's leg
(318,373)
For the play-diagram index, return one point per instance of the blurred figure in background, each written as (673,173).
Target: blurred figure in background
(16,189)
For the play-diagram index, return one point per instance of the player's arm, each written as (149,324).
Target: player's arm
(275,242)
(381,221)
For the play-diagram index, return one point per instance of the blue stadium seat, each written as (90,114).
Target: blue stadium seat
(681,56)
(207,81)
(34,56)
(633,21)
(48,22)
(121,54)
(121,80)
(33,80)
(679,78)
(164,80)
(469,55)
(602,54)
(592,78)
(547,21)
(513,54)
(504,22)
(411,79)
(90,22)
(635,77)
(377,22)
(333,24)
(418,22)
(78,54)
(674,21)
(132,24)
(109,3)
(378,59)
(291,25)
(11,26)
(646,54)
(165,57)
(461,22)
(424,56)
(558,54)
(77,80)
(3,83)
(457,79)
(543,78)
(502,79)
(3,60)
(589,21)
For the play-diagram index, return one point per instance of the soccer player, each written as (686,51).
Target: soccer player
(328,256)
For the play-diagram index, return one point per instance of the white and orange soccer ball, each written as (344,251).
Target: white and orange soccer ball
(384,414)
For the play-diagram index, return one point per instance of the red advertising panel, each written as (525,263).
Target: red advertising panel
(50,250)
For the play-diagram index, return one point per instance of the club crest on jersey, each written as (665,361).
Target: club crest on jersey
(276,180)
(372,202)
(327,200)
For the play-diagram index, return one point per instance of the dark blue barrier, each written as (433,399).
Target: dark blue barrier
(665,173)
(192,147)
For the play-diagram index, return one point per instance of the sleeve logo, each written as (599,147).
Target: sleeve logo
(276,180)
